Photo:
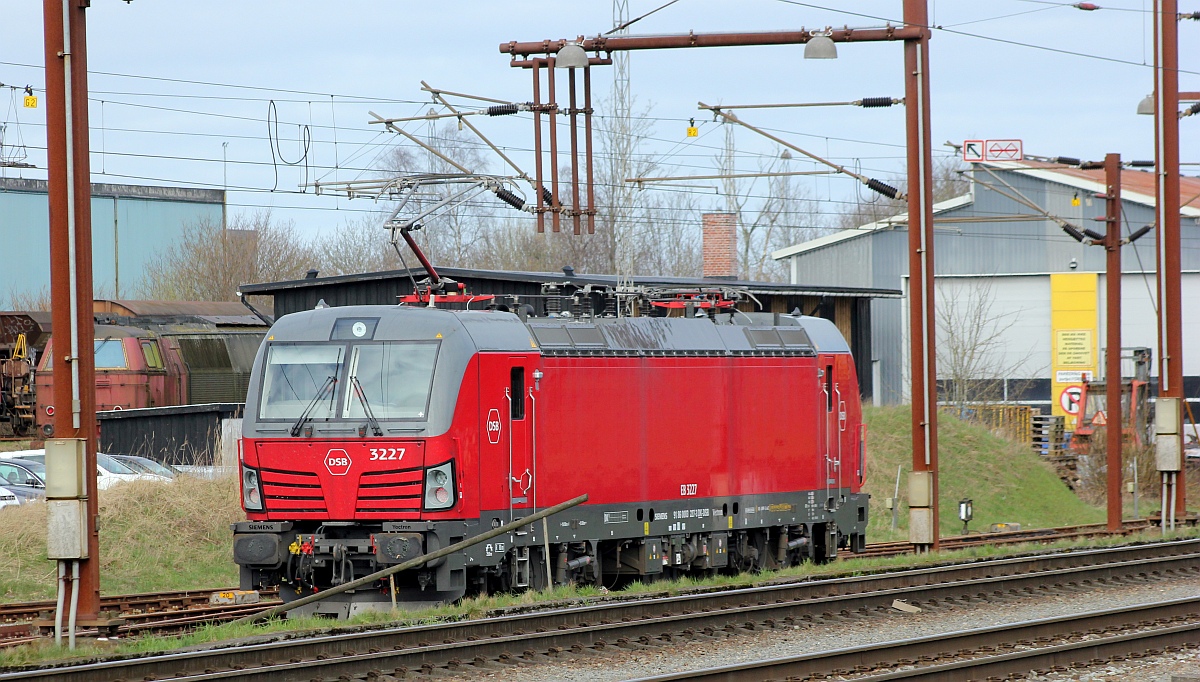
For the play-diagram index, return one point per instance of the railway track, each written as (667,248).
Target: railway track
(1051,644)
(475,645)
(144,603)
(953,542)
(175,611)
(157,612)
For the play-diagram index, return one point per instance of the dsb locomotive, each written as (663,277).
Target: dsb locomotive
(375,434)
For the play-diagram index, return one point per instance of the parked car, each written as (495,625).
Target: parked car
(23,482)
(13,495)
(109,471)
(22,472)
(145,465)
(8,498)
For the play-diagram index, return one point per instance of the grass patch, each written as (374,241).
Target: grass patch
(1006,481)
(153,536)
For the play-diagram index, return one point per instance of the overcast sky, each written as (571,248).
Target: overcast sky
(326,65)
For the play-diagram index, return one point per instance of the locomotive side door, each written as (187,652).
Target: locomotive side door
(833,423)
(507,419)
(521,470)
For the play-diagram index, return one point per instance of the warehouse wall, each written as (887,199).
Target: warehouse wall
(129,224)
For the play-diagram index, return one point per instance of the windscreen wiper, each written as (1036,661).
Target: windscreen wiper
(330,381)
(362,398)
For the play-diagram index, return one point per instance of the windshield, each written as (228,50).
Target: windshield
(294,376)
(148,466)
(395,379)
(112,466)
(12,474)
(110,354)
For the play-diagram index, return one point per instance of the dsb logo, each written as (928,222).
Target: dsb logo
(337,461)
(493,426)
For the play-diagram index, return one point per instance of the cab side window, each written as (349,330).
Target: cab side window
(517,393)
(152,354)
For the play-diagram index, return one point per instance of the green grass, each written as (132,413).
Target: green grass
(153,537)
(1007,482)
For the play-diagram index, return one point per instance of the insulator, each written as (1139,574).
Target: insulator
(1066,160)
(502,110)
(1076,234)
(1093,235)
(509,197)
(1141,164)
(871,102)
(883,188)
(1140,232)
(547,197)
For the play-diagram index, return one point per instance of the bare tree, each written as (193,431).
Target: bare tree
(764,224)
(209,262)
(973,361)
(29,300)
(357,246)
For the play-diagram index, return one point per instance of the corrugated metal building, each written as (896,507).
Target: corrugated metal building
(848,307)
(130,223)
(990,246)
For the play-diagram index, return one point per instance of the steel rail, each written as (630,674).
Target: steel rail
(534,634)
(125,604)
(1010,537)
(970,654)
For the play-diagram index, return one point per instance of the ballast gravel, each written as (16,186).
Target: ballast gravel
(779,642)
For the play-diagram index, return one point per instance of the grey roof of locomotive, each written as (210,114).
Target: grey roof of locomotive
(499,331)
(463,333)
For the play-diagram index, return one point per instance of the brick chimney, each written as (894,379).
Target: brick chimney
(719,245)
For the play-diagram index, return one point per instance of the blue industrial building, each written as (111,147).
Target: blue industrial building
(130,223)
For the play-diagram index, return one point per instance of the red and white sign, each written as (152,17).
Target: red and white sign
(1070,398)
(1003,150)
(972,150)
(493,426)
(337,461)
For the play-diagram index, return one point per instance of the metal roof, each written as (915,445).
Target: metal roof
(1136,187)
(538,278)
(851,233)
(148,192)
(169,308)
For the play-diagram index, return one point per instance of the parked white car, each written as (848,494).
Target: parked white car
(8,498)
(109,471)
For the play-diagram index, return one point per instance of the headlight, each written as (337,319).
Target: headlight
(439,487)
(252,498)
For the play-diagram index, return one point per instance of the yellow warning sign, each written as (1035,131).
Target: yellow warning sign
(1073,347)
(1099,419)
(1074,321)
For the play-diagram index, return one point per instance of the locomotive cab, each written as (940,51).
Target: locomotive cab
(346,461)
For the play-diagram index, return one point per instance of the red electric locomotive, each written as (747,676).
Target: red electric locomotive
(374,434)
